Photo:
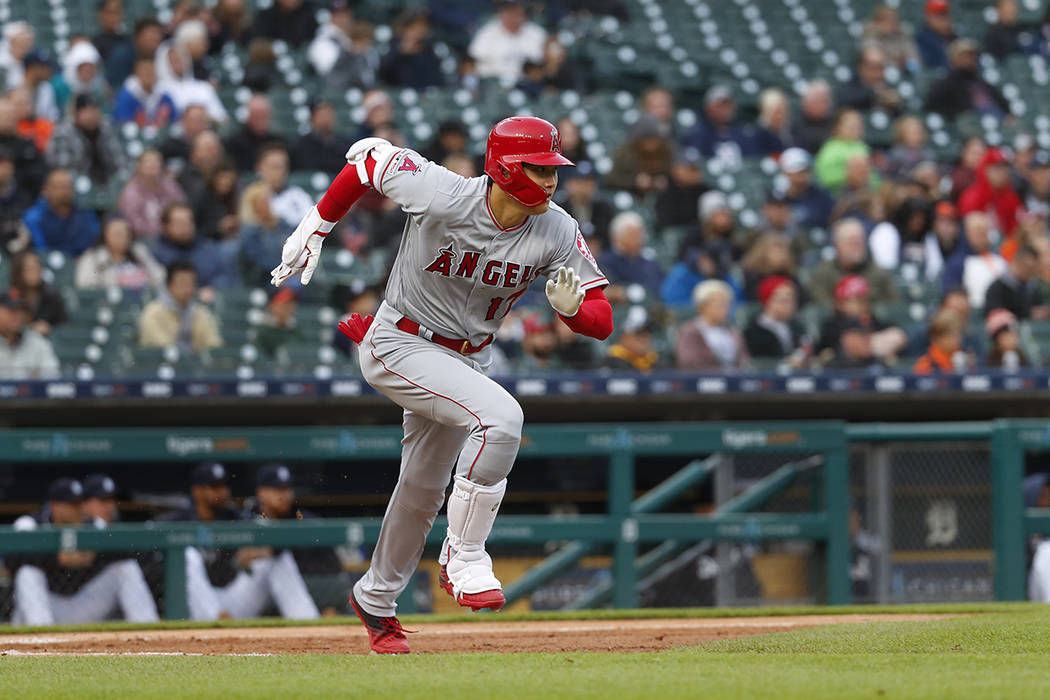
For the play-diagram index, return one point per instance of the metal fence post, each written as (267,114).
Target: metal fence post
(175,604)
(625,549)
(1008,535)
(836,505)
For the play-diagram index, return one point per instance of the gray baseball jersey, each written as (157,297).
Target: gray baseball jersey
(458,272)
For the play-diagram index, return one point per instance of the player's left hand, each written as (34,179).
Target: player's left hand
(301,251)
(564,293)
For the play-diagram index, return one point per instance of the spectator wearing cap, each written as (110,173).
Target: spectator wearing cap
(847,141)
(87,145)
(946,337)
(775,217)
(944,250)
(884,32)
(147,193)
(81,75)
(676,206)
(1008,36)
(851,258)
(142,100)
(992,193)
(43,303)
(633,350)
(853,306)
(642,162)
(175,318)
(772,133)
(411,62)
(816,117)
(1036,198)
(963,89)
(100,499)
(811,204)
(626,263)
(14,200)
(706,252)
(775,332)
(244,145)
(279,327)
(769,255)
(1015,289)
(291,21)
(503,44)
(218,583)
(24,353)
(451,137)
(709,341)
(321,148)
(74,586)
(853,349)
(868,89)
(716,134)
(538,344)
(936,34)
(275,500)
(1004,341)
(982,265)
(39,67)
(55,222)
(903,236)
(579,197)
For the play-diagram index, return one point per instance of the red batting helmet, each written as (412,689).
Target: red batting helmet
(518,140)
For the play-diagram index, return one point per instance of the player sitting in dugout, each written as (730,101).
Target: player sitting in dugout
(73,586)
(241,583)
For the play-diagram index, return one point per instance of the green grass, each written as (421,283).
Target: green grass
(1001,654)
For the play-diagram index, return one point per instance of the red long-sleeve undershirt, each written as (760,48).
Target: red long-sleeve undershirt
(594,319)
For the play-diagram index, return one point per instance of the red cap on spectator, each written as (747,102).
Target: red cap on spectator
(995,156)
(999,320)
(769,286)
(852,287)
(945,210)
(285,295)
(937,7)
(533,323)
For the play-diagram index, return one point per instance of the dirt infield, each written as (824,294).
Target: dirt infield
(496,637)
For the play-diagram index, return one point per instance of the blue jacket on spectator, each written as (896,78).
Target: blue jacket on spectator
(215,263)
(261,251)
(813,208)
(624,271)
(71,235)
(677,289)
(133,104)
(933,48)
(708,139)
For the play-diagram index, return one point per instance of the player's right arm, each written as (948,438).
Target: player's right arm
(398,173)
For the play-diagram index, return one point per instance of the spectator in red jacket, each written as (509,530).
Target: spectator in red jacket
(992,192)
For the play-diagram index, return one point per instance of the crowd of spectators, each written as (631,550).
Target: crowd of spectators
(813,280)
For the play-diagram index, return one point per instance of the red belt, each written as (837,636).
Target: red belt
(463,347)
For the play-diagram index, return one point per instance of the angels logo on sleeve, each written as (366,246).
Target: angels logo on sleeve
(407,165)
(585,250)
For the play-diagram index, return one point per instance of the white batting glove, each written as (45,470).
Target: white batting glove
(564,292)
(302,249)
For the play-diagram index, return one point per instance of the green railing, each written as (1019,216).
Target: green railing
(624,527)
(628,522)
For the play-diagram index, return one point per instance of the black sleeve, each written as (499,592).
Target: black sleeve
(996,297)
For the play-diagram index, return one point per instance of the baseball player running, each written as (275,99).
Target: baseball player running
(470,249)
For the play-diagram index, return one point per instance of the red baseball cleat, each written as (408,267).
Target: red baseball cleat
(385,634)
(475,601)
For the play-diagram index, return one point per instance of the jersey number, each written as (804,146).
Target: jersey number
(497,301)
